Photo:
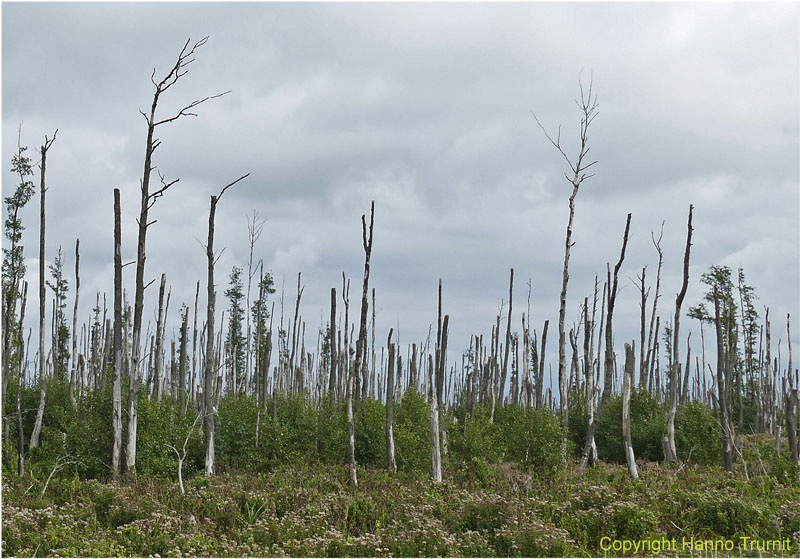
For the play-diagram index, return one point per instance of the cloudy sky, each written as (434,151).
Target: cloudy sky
(425,108)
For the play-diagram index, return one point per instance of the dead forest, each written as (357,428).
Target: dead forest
(235,348)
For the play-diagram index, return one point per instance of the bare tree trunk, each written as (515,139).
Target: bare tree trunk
(508,336)
(791,403)
(159,347)
(724,403)
(74,368)
(540,376)
(361,343)
(184,363)
(148,199)
(37,425)
(392,463)
(21,383)
(627,382)
(210,373)
(651,338)
(588,107)
(334,355)
(436,452)
(116,390)
(670,454)
(194,344)
(255,226)
(608,371)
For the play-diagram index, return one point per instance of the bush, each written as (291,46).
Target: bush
(697,434)
(370,427)
(412,434)
(648,425)
(531,437)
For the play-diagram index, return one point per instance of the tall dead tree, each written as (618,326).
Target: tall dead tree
(392,463)
(723,384)
(37,425)
(608,369)
(210,364)
(588,107)
(646,367)
(116,389)
(159,346)
(148,199)
(255,227)
(21,383)
(74,369)
(361,343)
(670,453)
(791,402)
(334,355)
(508,335)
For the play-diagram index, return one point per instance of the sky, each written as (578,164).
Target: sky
(427,109)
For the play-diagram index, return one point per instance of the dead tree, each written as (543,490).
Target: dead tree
(627,383)
(361,343)
(540,375)
(37,425)
(588,108)
(334,355)
(608,369)
(73,370)
(21,384)
(723,397)
(436,451)
(791,403)
(148,199)
(255,227)
(508,336)
(670,453)
(392,463)
(210,362)
(116,390)
(159,347)
(184,360)
(646,368)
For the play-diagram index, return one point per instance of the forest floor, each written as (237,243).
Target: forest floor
(496,510)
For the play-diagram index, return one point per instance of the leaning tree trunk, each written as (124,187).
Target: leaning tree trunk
(670,454)
(627,383)
(158,388)
(116,391)
(37,425)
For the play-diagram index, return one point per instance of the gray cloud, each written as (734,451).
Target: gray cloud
(424,108)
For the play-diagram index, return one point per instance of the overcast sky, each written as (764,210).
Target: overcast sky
(425,108)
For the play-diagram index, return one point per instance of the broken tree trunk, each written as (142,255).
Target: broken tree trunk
(627,383)
(670,454)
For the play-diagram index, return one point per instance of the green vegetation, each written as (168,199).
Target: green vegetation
(284,489)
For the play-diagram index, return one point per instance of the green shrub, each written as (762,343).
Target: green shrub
(412,434)
(531,437)
(697,434)
(648,425)
(370,428)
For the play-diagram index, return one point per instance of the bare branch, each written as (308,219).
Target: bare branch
(186,111)
(227,186)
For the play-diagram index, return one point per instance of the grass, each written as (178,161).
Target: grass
(314,512)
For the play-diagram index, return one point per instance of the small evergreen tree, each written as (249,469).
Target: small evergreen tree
(235,339)
(61,337)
